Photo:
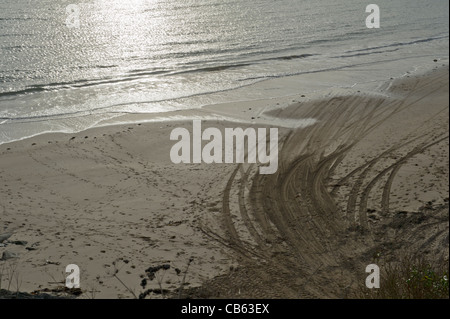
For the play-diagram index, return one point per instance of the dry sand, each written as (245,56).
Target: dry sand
(368,176)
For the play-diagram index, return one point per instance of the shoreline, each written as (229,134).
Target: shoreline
(221,105)
(109,197)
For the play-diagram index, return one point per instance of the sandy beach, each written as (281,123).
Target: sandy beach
(366,177)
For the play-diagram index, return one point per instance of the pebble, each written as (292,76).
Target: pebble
(4,237)
(9,255)
(19,242)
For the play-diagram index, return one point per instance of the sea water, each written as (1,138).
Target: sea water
(147,56)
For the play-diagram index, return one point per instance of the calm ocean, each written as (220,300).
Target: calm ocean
(160,55)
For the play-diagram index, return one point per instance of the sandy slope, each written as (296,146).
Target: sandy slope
(370,177)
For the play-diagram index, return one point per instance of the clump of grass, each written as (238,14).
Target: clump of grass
(9,271)
(411,278)
(151,273)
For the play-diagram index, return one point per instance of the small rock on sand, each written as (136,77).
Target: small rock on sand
(4,237)
(19,242)
(8,255)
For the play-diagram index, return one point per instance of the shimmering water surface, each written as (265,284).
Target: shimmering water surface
(159,55)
